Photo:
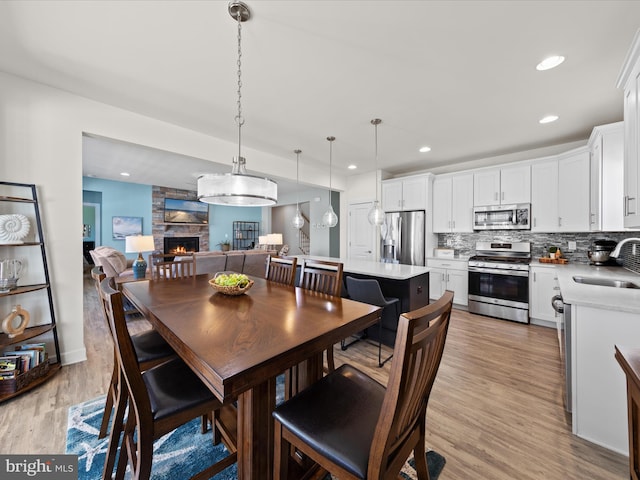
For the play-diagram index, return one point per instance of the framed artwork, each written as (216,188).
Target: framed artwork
(126,226)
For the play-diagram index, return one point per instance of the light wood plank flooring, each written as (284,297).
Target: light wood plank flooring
(495,412)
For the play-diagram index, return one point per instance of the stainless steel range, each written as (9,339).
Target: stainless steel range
(499,280)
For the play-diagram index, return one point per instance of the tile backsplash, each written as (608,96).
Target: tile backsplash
(464,243)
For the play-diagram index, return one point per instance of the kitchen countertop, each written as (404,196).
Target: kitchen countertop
(394,271)
(596,296)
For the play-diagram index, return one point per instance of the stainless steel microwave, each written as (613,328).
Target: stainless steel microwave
(502,217)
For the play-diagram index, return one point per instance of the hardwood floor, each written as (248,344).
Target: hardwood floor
(495,412)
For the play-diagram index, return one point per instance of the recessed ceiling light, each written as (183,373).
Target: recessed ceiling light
(352,167)
(425,149)
(549,119)
(125,174)
(550,62)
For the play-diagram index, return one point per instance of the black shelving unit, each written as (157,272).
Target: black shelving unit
(26,194)
(245,235)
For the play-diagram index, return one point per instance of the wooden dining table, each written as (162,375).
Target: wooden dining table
(238,345)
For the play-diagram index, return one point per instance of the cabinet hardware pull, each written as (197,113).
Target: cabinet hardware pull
(626,205)
(502,196)
(559,221)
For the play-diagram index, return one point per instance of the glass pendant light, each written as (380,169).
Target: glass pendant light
(330,219)
(238,188)
(376,214)
(298,220)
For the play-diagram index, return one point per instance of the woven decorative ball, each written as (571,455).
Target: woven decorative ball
(226,290)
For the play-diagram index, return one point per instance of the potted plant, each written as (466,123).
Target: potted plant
(552,252)
(225,245)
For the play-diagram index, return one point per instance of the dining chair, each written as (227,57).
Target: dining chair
(325,277)
(160,400)
(150,348)
(367,290)
(170,267)
(281,270)
(354,427)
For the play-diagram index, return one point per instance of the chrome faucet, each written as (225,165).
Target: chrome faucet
(616,251)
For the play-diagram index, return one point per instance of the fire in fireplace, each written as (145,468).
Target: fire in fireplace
(177,245)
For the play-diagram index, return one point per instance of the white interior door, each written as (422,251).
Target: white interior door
(362,235)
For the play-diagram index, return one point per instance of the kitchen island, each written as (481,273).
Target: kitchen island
(601,318)
(409,283)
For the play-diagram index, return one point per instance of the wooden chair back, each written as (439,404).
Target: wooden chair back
(322,276)
(171,267)
(125,352)
(141,427)
(282,270)
(418,350)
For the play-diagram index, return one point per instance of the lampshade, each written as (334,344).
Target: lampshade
(139,243)
(262,239)
(274,239)
(237,188)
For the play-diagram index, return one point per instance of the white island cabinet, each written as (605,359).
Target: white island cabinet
(601,317)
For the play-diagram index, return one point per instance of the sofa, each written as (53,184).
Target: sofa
(250,262)
(112,261)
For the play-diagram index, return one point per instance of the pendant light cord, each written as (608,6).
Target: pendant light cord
(298,152)
(239,118)
(331,139)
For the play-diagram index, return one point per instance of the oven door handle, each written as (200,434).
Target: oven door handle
(496,271)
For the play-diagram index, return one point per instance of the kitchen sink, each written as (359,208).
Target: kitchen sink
(605,282)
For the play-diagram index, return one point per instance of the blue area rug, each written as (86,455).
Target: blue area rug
(176,456)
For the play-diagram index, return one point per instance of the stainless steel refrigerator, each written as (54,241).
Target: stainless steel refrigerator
(403,238)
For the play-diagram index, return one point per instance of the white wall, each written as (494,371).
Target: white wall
(41,142)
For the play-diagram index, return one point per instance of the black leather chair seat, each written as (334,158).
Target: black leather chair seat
(337,417)
(173,388)
(150,346)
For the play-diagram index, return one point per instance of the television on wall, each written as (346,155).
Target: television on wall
(185,211)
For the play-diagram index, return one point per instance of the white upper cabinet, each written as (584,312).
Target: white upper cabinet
(408,193)
(629,80)
(573,191)
(560,193)
(544,196)
(486,187)
(453,203)
(503,186)
(515,184)
(606,146)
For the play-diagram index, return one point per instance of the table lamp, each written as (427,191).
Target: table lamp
(274,239)
(139,243)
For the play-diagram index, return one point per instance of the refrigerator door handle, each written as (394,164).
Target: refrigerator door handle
(399,248)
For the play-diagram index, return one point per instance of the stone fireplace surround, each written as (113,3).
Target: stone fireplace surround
(160,229)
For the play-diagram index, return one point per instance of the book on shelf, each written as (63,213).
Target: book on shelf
(9,367)
(40,347)
(25,359)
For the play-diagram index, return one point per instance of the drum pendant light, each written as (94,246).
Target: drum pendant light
(330,219)
(376,214)
(298,219)
(238,188)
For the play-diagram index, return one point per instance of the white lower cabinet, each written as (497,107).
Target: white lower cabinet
(449,275)
(543,285)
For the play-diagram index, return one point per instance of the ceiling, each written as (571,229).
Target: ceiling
(458,76)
